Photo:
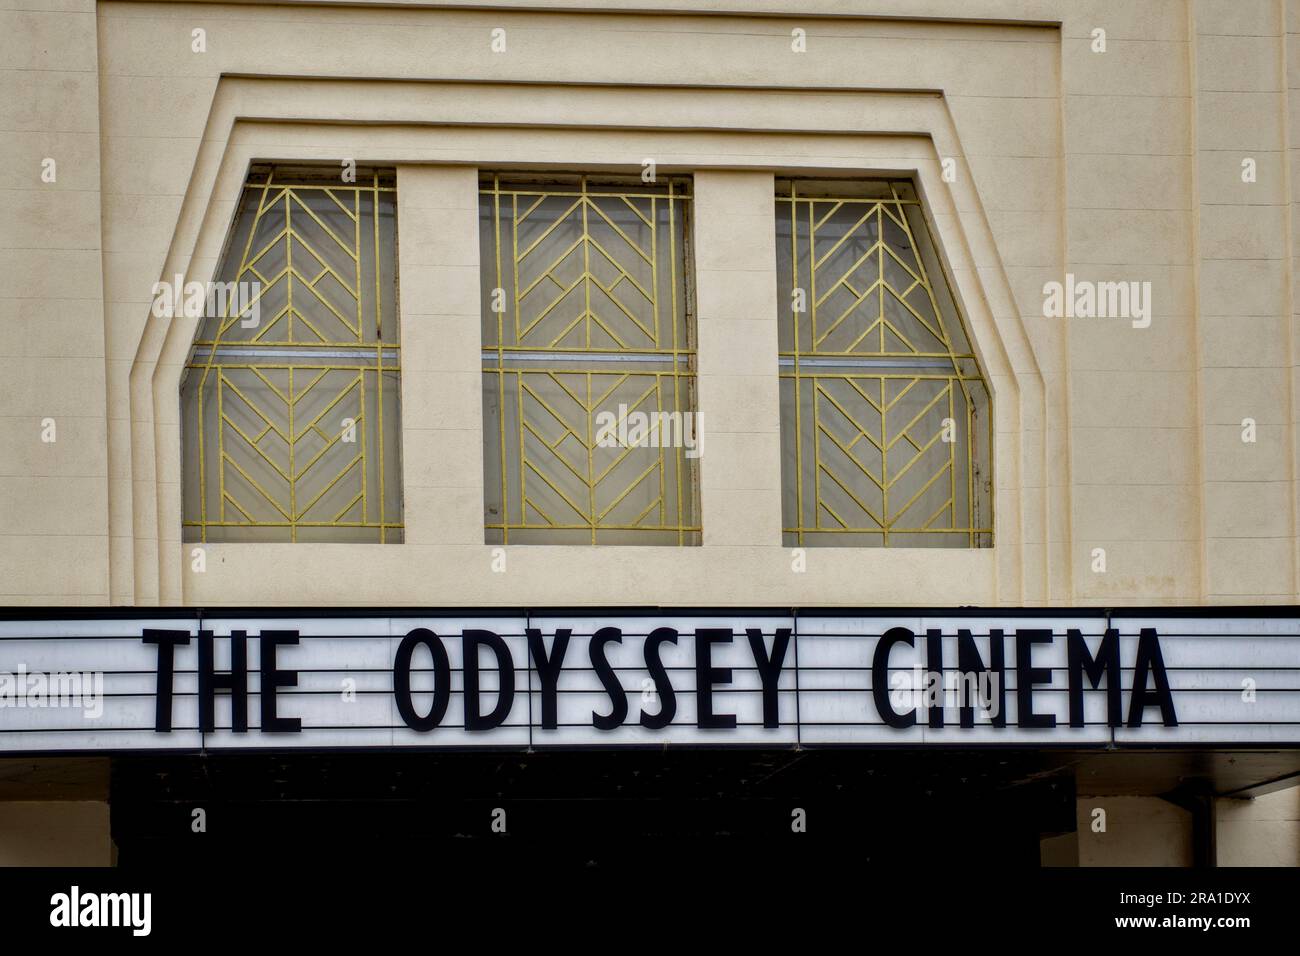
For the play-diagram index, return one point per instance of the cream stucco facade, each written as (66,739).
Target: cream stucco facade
(1120,156)
(1123,165)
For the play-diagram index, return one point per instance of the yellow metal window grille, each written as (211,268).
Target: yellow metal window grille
(885,421)
(590,432)
(290,401)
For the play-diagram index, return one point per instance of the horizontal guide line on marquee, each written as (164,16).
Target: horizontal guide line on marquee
(248,679)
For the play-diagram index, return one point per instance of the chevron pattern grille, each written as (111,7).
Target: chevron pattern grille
(587,320)
(290,398)
(885,414)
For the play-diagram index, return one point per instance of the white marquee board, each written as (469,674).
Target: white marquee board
(652,678)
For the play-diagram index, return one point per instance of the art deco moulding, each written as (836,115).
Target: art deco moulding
(488,125)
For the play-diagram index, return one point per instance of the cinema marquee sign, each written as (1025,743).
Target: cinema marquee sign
(192,680)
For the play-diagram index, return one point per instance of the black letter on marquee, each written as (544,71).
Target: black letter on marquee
(474,719)
(1104,665)
(970,664)
(1027,676)
(706,676)
(272,679)
(934,664)
(1150,660)
(769,669)
(548,669)
(663,686)
(402,679)
(236,681)
(617,696)
(167,642)
(880,676)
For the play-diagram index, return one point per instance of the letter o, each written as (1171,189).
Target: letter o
(402,679)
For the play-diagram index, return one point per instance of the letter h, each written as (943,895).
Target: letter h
(235,681)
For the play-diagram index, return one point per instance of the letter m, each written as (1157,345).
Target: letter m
(65,688)
(1113,300)
(119,905)
(221,297)
(1105,664)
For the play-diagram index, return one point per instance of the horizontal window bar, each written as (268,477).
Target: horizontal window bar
(354,346)
(587,527)
(887,200)
(893,529)
(272,351)
(490,355)
(875,376)
(863,362)
(298,366)
(612,194)
(291,524)
(341,187)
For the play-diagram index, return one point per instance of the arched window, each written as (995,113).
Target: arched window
(290,401)
(886,431)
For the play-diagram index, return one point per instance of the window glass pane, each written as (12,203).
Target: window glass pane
(290,400)
(590,432)
(885,422)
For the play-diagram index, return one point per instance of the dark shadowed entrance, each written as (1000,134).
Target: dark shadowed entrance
(588,807)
